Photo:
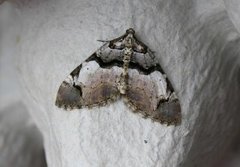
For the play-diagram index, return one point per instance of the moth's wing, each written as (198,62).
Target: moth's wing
(94,82)
(168,111)
(112,51)
(143,56)
(151,93)
(99,85)
(91,85)
(109,56)
(69,94)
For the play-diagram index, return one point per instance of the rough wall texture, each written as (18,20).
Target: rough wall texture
(197,46)
(20,141)
(233,8)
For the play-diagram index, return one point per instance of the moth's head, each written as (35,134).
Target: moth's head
(130,31)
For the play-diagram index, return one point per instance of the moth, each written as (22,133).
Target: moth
(122,68)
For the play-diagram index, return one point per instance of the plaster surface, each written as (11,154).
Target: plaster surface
(197,45)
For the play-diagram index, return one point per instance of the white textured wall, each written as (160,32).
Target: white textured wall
(20,141)
(233,9)
(197,46)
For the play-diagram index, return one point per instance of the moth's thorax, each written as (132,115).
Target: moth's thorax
(128,42)
(128,52)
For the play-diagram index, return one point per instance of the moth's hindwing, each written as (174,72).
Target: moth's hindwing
(122,67)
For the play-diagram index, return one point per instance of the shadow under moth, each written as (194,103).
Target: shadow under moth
(122,68)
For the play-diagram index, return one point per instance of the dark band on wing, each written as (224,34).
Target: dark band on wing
(118,63)
(76,71)
(132,65)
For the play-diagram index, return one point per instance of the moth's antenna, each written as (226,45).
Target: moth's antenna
(99,40)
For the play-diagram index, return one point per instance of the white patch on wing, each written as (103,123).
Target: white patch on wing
(160,82)
(156,79)
(69,79)
(92,71)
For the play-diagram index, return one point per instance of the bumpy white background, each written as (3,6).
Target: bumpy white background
(195,41)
